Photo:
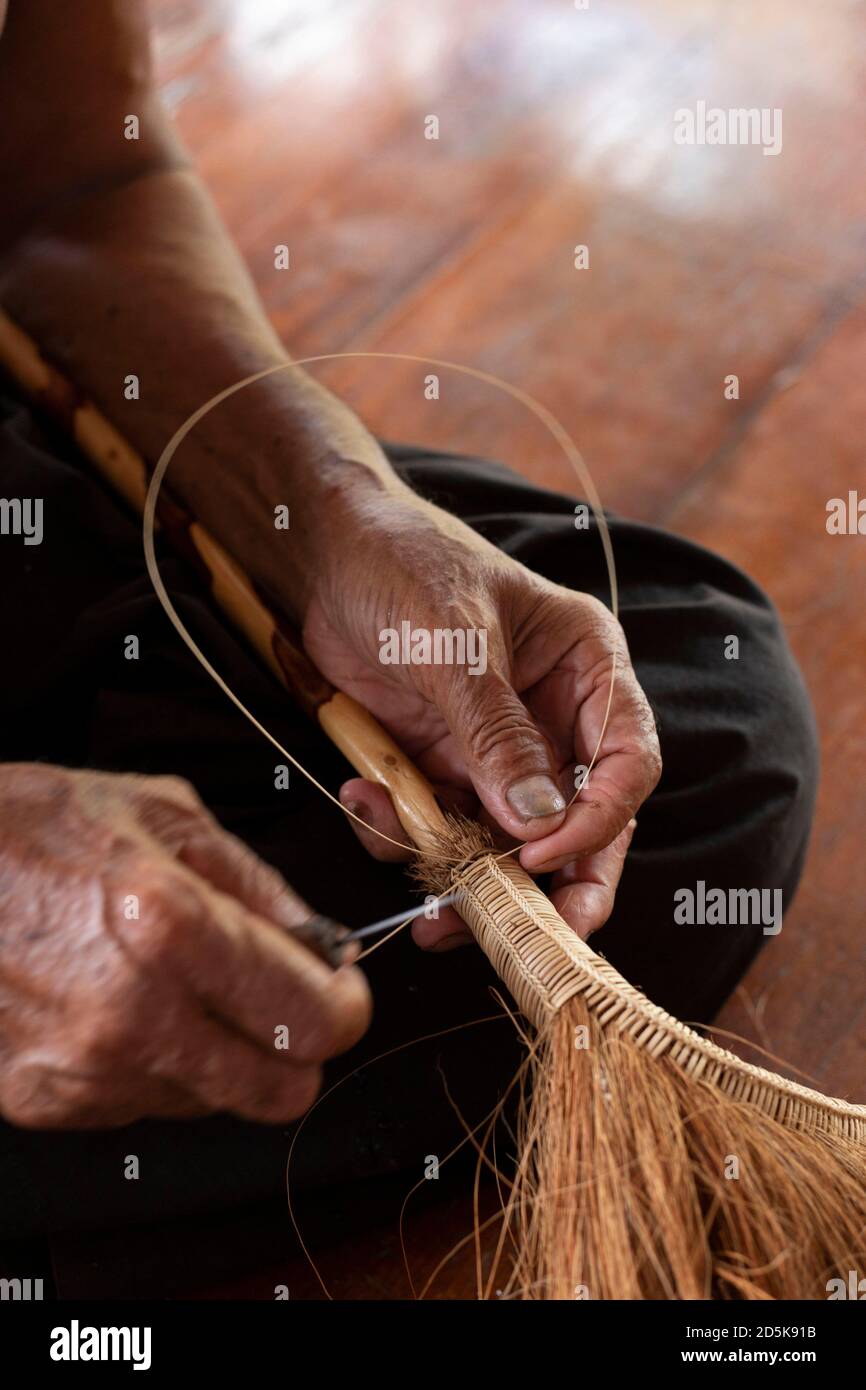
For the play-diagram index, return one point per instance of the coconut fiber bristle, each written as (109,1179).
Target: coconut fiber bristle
(652,1163)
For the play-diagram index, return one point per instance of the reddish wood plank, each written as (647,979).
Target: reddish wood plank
(765,508)
(556,128)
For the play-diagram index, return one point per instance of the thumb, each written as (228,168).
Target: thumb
(508,759)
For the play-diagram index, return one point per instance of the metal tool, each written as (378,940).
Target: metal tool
(397,918)
(328,938)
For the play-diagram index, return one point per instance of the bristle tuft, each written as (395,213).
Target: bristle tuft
(639,1181)
(451,853)
(653,1164)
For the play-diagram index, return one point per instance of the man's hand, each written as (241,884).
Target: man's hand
(147,961)
(510,738)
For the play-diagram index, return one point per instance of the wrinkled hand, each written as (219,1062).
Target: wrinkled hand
(147,961)
(503,744)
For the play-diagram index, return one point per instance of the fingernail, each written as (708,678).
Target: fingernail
(448,943)
(535,797)
(550,866)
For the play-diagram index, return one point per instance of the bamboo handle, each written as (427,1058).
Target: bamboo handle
(370,750)
(374,754)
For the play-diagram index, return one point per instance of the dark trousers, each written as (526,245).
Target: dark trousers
(733,809)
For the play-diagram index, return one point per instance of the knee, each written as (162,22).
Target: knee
(739,743)
(774,780)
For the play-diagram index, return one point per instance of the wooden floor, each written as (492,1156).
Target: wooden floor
(307,118)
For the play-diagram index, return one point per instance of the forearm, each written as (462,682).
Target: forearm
(142,280)
(122,267)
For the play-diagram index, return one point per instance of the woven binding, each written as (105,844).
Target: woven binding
(544,964)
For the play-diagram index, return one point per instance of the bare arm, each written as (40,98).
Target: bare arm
(116,261)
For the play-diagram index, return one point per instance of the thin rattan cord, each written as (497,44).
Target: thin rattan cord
(547,418)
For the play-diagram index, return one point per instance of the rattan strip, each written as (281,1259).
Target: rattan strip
(544,964)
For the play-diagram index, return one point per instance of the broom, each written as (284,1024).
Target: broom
(652,1163)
